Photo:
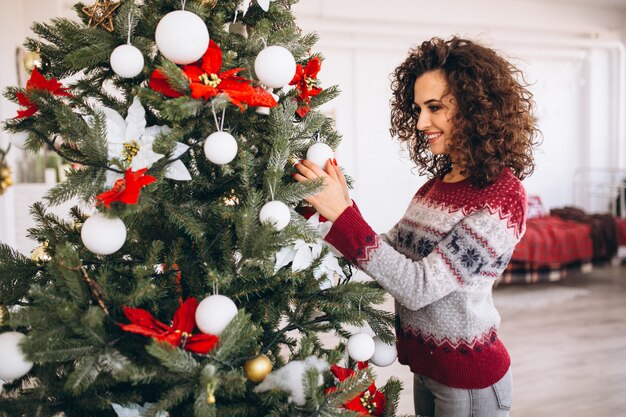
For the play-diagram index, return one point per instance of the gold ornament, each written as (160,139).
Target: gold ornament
(4,315)
(210,3)
(210,392)
(231,199)
(101,14)
(40,254)
(32,60)
(5,178)
(258,368)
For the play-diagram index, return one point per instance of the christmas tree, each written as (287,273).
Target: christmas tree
(192,280)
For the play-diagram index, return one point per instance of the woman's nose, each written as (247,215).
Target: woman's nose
(423,121)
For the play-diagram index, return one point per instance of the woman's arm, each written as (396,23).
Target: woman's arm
(478,247)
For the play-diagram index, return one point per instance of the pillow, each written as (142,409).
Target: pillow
(536,208)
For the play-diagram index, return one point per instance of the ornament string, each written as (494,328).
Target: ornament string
(236,14)
(219,125)
(130,26)
(183,3)
(271,191)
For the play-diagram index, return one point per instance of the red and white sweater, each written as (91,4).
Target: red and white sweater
(439,262)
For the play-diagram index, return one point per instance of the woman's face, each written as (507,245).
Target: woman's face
(436,108)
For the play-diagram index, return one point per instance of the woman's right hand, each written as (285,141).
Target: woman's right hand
(334,171)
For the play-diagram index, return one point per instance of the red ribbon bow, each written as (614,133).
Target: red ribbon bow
(206,81)
(38,82)
(305,82)
(180,333)
(127,189)
(370,402)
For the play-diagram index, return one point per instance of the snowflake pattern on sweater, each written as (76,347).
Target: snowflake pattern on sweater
(439,262)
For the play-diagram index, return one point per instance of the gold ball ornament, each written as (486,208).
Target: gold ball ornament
(39,254)
(5,179)
(4,315)
(32,60)
(258,368)
(210,3)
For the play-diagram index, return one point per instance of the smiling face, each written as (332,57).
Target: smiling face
(436,108)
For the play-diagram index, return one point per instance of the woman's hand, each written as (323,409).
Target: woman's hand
(334,198)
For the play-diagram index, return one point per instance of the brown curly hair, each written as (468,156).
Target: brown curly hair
(493,127)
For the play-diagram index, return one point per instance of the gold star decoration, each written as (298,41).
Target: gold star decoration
(101,14)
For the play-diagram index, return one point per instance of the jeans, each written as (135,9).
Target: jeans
(433,399)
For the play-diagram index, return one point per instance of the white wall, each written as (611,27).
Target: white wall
(569,52)
(16,18)
(13,33)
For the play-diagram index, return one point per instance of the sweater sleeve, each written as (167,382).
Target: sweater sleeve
(391,236)
(479,245)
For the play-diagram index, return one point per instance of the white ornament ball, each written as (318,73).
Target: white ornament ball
(214,313)
(182,37)
(18,139)
(361,347)
(384,354)
(103,235)
(126,61)
(275,66)
(275,213)
(220,148)
(319,154)
(13,365)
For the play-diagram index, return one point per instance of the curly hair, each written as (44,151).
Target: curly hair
(493,127)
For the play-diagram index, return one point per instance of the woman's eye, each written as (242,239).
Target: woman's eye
(434,108)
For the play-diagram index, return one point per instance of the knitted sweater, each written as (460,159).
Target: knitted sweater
(439,262)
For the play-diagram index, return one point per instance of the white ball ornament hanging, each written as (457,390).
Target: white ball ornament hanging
(361,347)
(214,313)
(126,61)
(182,37)
(275,213)
(103,235)
(319,154)
(13,364)
(220,148)
(384,354)
(275,66)
(19,139)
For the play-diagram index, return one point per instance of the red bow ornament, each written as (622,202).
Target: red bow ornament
(180,333)
(206,81)
(370,402)
(38,82)
(305,81)
(127,189)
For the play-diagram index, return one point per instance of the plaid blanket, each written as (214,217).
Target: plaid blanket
(551,241)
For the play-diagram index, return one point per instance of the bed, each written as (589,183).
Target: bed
(578,237)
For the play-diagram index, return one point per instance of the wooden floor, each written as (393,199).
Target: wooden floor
(567,341)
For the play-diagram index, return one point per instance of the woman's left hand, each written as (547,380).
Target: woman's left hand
(331,201)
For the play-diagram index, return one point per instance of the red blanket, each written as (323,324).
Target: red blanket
(553,241)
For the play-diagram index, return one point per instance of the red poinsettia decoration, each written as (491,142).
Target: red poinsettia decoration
(370,402)
(206,81)
(126,190)
(180,333)
(305,81)
(38,82)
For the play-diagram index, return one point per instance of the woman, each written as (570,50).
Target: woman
(467,121)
